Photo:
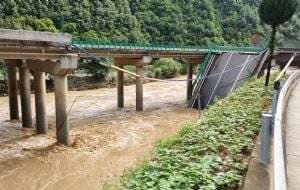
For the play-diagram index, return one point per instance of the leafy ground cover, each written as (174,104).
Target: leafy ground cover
(210,154)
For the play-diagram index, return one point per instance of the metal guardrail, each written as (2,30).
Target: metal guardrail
(102,44)
(279,141)
(280,100)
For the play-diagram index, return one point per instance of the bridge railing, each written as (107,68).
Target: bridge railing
(105,44)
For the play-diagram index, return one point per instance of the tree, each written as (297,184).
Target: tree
(275,13)
(189,22)
(238,19)
(10,8)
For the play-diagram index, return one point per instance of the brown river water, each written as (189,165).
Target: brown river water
(107,141)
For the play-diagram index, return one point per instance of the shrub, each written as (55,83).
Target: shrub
(3,70)
(150,71)
(210,154)
(89,35)
(28,23)
(130,68)
(166,68)
(183,69)
(94,68)
(69,28)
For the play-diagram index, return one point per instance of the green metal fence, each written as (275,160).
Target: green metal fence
(105,44)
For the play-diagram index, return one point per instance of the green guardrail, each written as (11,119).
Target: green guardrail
(106,44)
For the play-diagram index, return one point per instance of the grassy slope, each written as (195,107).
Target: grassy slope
(211,154)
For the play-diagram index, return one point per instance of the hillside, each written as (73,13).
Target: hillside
(173,21)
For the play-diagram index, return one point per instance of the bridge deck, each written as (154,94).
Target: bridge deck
(21,44)
(293,140)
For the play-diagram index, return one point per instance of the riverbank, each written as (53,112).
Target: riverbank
(212,153)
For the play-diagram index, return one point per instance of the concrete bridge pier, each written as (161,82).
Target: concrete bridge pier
(25,93)
(43,52)
(139,63)
(60,68)
(62,117)
(12,89)
(65,66)
(189,73)
(40,102)
(120,87)
(190,63)
(139,88)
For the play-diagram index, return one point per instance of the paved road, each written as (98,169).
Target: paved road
(293,140)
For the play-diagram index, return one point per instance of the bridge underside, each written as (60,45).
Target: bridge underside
(141,53)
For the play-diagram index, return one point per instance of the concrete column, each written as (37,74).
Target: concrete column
(139,88)
(189,81)
(120,87)
(62,118)
(13,92)
(40,102)
(25,92)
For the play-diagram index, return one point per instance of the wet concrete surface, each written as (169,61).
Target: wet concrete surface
(107,141)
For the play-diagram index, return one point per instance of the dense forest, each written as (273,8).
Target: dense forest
(156,21)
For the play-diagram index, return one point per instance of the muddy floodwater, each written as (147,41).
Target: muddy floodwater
(106,141)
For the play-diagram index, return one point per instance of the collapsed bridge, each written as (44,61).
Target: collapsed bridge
(57,54)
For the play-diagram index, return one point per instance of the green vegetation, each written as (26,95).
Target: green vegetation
(29,23)
(3,84)
(210,154)
(167,68)
(94,68)
(275,13)
(2,70)
(156,21)
(162,68)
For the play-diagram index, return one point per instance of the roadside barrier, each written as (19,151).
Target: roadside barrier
(276,119)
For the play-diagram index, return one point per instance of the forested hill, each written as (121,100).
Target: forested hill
(173,21)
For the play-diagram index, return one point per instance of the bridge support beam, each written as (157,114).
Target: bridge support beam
(12,90)
(40,102)
(189,81)
(139,88)
(62,118)
(120,87)
(25,92)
